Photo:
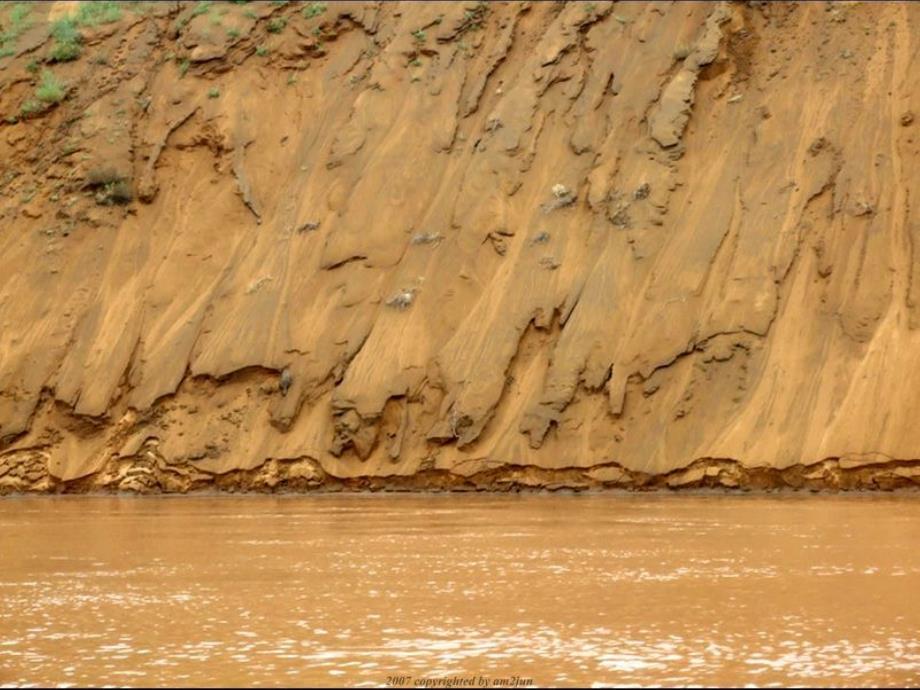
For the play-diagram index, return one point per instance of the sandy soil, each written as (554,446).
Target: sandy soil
(465,245)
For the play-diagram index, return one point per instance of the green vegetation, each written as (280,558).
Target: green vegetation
(261,51)
(214,92)
(419,36)
(50,89)
(249,14)
(31,106)
(98,12)
(472,19)
(314,9)
(19,17)
(183,67)
(32,67)
(67,40)
(202,7)
(17,22)
(64,52)
(276,24)
(233,32)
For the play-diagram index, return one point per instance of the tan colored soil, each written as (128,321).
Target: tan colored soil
(463,245)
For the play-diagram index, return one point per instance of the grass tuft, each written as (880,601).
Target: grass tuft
(314,9)
(98,12)
(50,89)
(276,25)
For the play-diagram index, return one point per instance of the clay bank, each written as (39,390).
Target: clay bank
(464,245)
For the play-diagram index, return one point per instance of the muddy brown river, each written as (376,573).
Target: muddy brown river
(454,590)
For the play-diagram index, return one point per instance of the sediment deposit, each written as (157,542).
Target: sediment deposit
(459,245)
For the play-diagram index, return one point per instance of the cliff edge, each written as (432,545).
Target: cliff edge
(279,245)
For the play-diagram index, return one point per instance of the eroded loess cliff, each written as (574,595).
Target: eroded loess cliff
(459,245)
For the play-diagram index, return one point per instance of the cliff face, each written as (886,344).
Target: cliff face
(459,245)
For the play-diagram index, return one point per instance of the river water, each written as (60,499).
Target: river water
(406,590)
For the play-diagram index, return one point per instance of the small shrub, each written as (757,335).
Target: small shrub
(214,92)
(51,89)
(18,22)
(19,16)
(115,192)
(183,68)
(111,187)
(98,177)
(473,19)
(67,40)
(31,106)
(32,67)
(261,51)
(314,9)
(65,31)
(249,14)
(419,36)
(276,25)
(65,52)
(202,7)
(233,32)
(98,12)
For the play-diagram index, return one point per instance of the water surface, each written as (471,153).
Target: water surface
(559,590)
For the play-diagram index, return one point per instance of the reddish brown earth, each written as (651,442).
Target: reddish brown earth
(467,245)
